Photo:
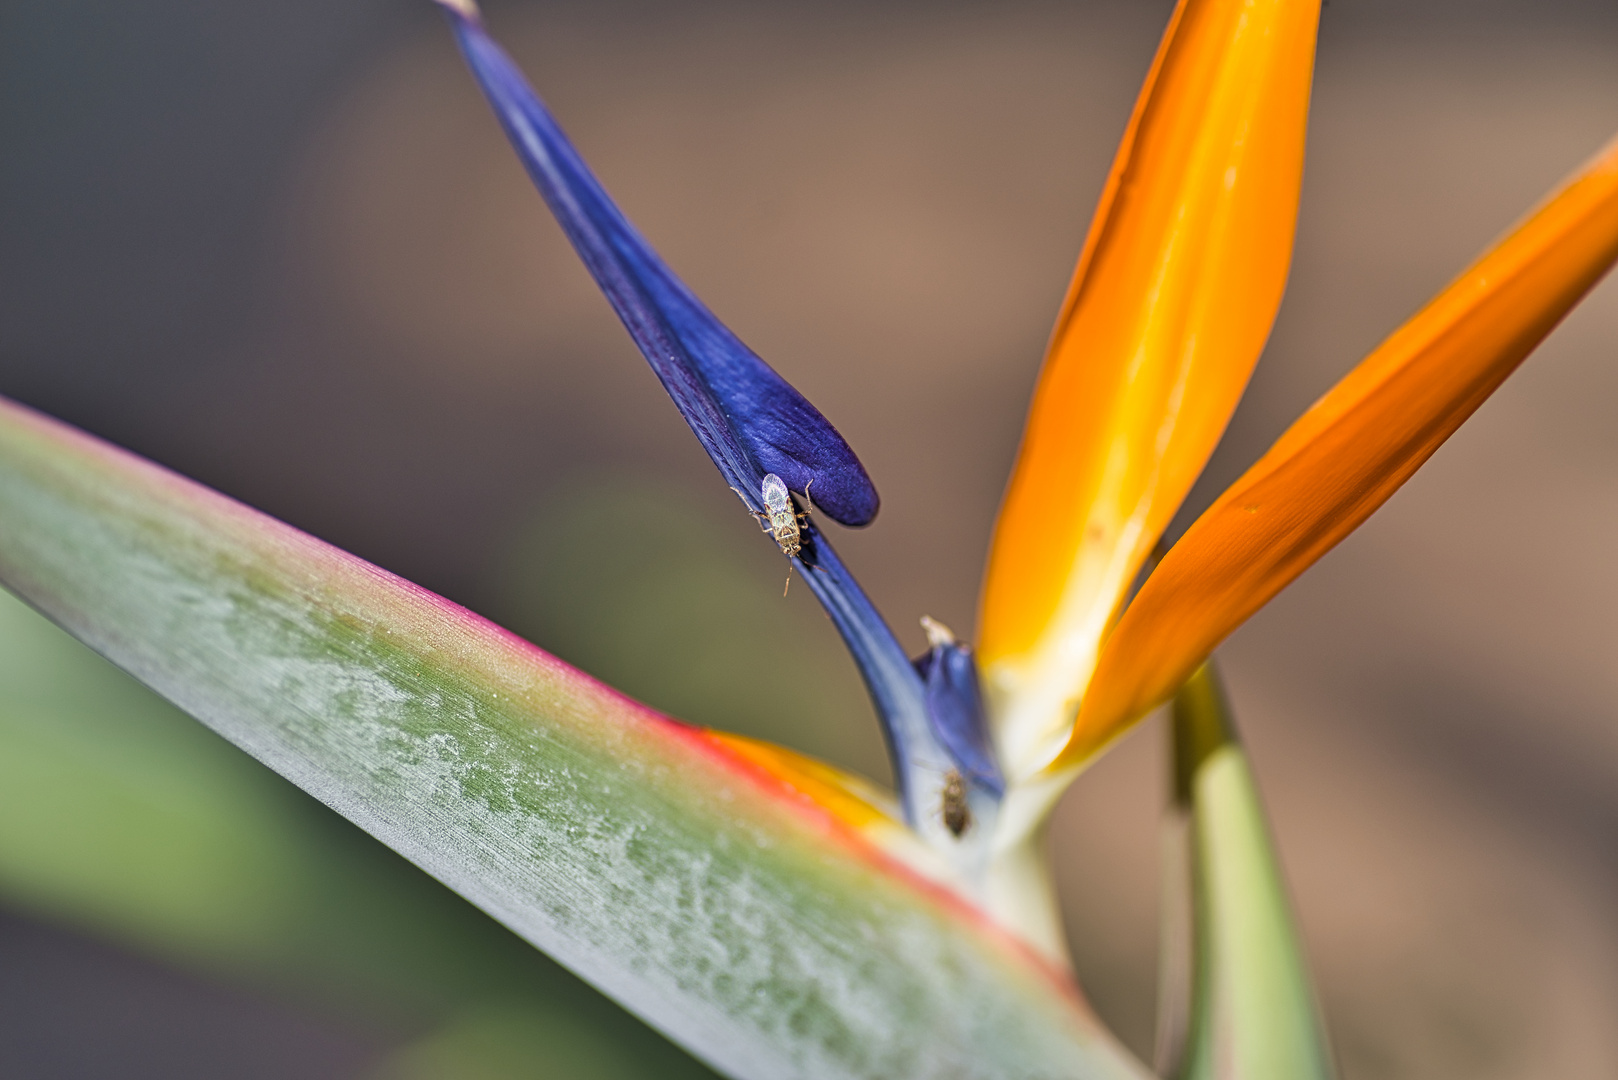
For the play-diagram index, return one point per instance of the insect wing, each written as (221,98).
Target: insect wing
(777,500)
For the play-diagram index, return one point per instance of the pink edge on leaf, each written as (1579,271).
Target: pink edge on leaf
(299,544)
(831,802)
(229,540)
(849,810)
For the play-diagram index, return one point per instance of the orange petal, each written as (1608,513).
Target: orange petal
(853,802)
(1170,306)
(1353,449)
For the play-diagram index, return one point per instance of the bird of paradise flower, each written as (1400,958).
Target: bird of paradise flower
(775,915)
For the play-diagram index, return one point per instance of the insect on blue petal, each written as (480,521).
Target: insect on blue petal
(782,515)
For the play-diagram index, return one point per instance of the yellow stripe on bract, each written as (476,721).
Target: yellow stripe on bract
(854,802)
(1353,449)
(1169,308)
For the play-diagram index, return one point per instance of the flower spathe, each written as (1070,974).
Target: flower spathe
(710,885)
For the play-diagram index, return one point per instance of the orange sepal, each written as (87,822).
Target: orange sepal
(1353,449)
(852,801)
(1169,308)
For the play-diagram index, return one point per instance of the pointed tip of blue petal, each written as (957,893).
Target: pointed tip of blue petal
(749,419)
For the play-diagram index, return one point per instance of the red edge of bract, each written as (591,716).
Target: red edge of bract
(471,623)
(830,824)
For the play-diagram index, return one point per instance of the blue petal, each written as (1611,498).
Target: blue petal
(753,423)
(748,418)
(900,697)
(955,710)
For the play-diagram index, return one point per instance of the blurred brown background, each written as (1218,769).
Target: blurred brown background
(284,249)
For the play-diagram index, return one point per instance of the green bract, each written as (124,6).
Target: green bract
(704,896)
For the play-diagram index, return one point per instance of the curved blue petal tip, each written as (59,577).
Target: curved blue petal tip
(749,419)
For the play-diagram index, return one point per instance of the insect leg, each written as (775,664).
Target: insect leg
(762,519)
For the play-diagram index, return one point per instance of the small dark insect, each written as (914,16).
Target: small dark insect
(957,817)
